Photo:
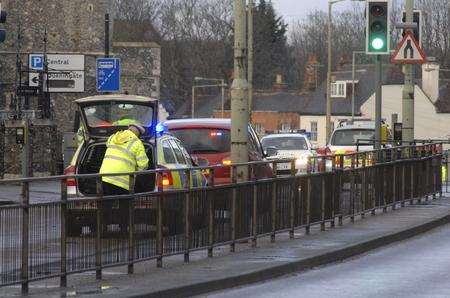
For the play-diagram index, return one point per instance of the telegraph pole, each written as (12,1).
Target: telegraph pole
(250,58)
(328,112)
(239,99)
(408,88)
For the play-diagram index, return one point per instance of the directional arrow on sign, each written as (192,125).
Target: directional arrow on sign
(408,51)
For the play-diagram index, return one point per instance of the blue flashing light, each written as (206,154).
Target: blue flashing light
(161,128)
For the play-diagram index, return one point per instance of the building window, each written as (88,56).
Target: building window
(285,127)
(259,128)
(314,131)
(339,89)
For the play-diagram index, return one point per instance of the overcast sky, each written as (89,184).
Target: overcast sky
(292,10)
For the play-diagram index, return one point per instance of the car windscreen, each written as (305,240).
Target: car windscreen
(204,140)
(350,137)
(285,143)
(105,116)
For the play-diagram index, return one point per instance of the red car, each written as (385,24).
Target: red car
(210,139)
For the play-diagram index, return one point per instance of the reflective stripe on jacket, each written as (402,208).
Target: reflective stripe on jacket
(125,153)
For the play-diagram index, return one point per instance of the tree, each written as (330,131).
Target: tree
(270,45)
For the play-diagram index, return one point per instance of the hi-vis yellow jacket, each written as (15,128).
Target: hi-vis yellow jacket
(125,153)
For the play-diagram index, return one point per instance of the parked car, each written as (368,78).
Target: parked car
(209,140)
(101,117)
(289,146)
(353,137)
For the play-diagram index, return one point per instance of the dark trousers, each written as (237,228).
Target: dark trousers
(108,216)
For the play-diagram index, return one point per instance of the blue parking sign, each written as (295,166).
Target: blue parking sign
(108,74)
(36,62)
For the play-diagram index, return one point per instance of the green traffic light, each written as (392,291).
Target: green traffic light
(377,43)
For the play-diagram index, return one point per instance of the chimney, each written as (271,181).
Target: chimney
(430,80)
(311,73)
(279,85)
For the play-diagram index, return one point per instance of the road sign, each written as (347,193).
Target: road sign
(27,91)
(36,61)
(408,51)
(417,18)
(108,74)
(65,72)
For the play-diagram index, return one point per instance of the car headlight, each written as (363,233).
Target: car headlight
(301,161)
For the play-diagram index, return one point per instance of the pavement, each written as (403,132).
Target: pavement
(249,265)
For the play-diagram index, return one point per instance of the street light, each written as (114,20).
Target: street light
(328,116)
(222,84)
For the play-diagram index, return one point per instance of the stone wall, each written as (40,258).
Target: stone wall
(73,26)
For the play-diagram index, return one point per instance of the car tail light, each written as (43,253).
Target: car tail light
(165,180)
(324,151)
(226,162)
(71,182)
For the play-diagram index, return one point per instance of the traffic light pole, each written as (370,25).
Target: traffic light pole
(239,95)
(378,99)
(408,89)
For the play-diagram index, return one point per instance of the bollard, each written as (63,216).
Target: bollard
(131,225)
(63,243)
(98,235)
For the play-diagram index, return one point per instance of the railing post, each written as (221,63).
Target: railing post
(274,203)
(25,234)
(335,192)
(233,209)
(98,235)
(363,186)
(322,205)
(210,214)
(63,243)
(394,178)
(383,180)
(411,201)
(341,173)
(403,180)
(254,212)
(292,198)
(131,225)
(308,206)
(159,228)
(187,217)
(352,188)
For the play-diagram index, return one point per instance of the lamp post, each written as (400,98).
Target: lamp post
(222,85)
(328,116)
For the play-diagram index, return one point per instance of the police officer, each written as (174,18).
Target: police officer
(125,153)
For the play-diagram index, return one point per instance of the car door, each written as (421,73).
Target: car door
(183,163)
(167,159)
(197,177)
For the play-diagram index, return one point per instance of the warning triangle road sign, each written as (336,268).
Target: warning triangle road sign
(408,51)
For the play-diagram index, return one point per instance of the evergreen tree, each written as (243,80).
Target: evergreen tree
(270,45)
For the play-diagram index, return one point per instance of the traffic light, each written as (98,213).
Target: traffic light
(2,21)
(377,27)
(417,18)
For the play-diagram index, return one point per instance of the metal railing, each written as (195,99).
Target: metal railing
(58,238)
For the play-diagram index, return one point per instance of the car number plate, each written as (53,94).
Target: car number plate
(283,166)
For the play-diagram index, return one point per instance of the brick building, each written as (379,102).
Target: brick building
(73,26)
